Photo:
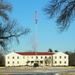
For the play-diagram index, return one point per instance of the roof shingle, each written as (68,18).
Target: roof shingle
(35,53)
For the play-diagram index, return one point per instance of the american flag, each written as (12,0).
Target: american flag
(36,17)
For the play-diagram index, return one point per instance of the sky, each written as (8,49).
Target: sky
(47,32)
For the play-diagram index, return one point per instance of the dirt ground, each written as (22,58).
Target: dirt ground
(71,73)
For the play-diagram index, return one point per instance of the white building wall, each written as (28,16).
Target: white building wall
(60,59)
(14,59)
(34,58)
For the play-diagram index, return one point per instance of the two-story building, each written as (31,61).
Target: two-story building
(41,58)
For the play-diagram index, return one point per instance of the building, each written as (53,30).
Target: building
(41,58)
(60,59)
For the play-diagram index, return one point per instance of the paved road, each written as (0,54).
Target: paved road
(35,71)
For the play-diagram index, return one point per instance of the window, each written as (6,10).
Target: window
(32,61)
(13,62)
(36,57)
(49,57)
(55,62)
(28,57)
(8,57)
(45,56)
(18,57)
(60,57)
(23,57)
(55,57)
(41,62)
(45,62)
(65,62)
(64,56)
(41,57)
(60,62)
(28,61)
(12,57)
(17,62)
(8,62)
(32,57)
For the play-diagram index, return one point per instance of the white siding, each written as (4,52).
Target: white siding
(13,59)
(60,59)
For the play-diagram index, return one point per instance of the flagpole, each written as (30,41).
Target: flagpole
(36,37)
(36,32)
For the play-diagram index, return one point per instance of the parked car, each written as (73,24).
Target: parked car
(36,65)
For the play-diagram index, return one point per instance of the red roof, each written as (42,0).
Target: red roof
(35,53)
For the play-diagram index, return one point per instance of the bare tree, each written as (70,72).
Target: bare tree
(5,7)
(9,29)
(64,10)
(2,60)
